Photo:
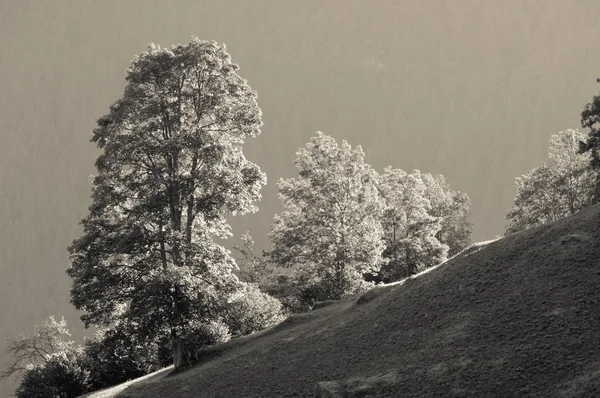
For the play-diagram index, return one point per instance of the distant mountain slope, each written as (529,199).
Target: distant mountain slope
(520,317)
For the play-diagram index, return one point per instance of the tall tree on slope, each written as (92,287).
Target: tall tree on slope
(171,171)
(331,227)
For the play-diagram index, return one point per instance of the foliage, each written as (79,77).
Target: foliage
(300,290)
(330,227)
(171,171)
(62,375)
(286,288)
(201,334)
(49,364)
(590,118)
(452,208)
(251,310)
(27,351)
(411,230)
(116,355)
(252,267)
(305,289)
(575,179)
(555,189)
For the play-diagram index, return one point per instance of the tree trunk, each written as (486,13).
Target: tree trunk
(179,359)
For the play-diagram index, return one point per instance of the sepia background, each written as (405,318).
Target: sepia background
(469,89)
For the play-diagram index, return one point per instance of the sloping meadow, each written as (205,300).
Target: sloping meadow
(519,317)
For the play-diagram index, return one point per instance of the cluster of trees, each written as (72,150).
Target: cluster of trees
(51,365)
(345,227)
(568,182)
(424,221)
(148,269)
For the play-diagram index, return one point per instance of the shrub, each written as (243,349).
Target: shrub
(301,291)
(200,335)
(115,356)
(63,375)
(250,310)
(284,288)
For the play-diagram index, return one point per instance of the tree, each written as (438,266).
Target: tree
(557,188)
(535,202)
(575,179)
(590,118)
(48,364)
(251,310)
(331,227)
(115,355)
(172,169)
(411,231)
(27,351)
(63,375)
(253,268)
(452,207)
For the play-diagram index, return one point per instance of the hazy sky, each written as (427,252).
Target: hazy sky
(468,89)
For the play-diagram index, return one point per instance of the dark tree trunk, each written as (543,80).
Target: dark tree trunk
(179,359)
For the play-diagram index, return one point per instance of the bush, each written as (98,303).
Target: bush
(301,291)
(114,356)
(250,310)
(202,334)
(284,289)
(63,375)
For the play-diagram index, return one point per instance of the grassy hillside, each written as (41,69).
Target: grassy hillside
(519,317)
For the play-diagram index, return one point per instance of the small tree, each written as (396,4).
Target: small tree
(555,189)
(203,333)
(331,227)
(250,310)
(48,364)
(27,351)
(534,204)
(253,268)
(115,355)
(575,180)
(410,238)
(171,172)
(452,207)
(63,375)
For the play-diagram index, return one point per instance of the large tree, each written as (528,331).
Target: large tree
(171,170)
(557,188)
(331,227)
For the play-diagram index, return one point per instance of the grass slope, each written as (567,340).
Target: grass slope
(517,317)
